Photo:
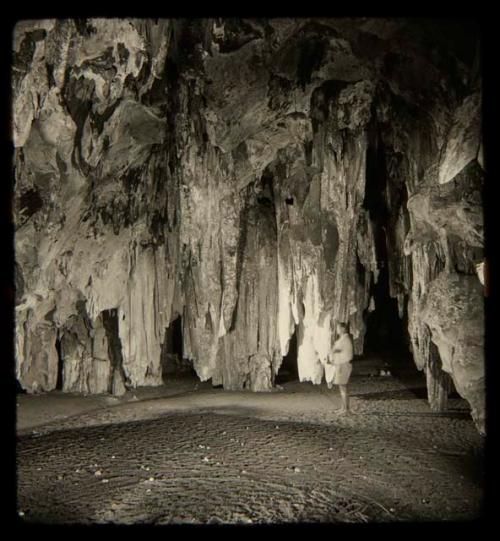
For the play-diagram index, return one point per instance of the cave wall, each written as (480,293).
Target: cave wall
(217,169)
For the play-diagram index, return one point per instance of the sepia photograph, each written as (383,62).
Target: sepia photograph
(250,270)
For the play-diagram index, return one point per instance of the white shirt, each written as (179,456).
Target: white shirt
(344,343)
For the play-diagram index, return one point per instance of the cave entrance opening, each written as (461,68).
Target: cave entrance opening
(289,369)
(173,362)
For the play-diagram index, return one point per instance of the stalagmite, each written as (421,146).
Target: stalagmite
(224,171)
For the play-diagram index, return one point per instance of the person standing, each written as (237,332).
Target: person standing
(341,364)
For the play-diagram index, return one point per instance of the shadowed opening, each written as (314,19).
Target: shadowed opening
(386,337)
(111,326)
(60,365)
(172,358)
(386,333)
(19,389)
(289,370)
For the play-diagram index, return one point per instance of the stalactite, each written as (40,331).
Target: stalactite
(218,171)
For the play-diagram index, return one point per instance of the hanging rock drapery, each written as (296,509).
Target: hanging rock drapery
(217,169)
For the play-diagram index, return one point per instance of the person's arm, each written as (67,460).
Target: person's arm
(331,360)
(349,346)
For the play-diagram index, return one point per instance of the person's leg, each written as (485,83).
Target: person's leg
(345,398)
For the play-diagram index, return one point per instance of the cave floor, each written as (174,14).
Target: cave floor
(188,453)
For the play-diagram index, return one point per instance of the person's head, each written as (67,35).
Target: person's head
(341,328)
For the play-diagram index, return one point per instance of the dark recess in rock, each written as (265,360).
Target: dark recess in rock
(110,322)
(311,56)
(30,203)
(237,33)
(60,366)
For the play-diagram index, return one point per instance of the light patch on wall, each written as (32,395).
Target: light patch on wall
(480,272)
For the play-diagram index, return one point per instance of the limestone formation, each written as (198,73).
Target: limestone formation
(225,171)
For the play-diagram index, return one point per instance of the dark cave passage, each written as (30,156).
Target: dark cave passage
(387,338)
(174,338)
(172,358)
(386,333)
(289,370)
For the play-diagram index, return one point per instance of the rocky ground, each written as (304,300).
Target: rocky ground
(189,453)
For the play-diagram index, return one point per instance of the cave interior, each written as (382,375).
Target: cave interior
(211,197)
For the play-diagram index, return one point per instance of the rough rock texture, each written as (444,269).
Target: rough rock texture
(241,174)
